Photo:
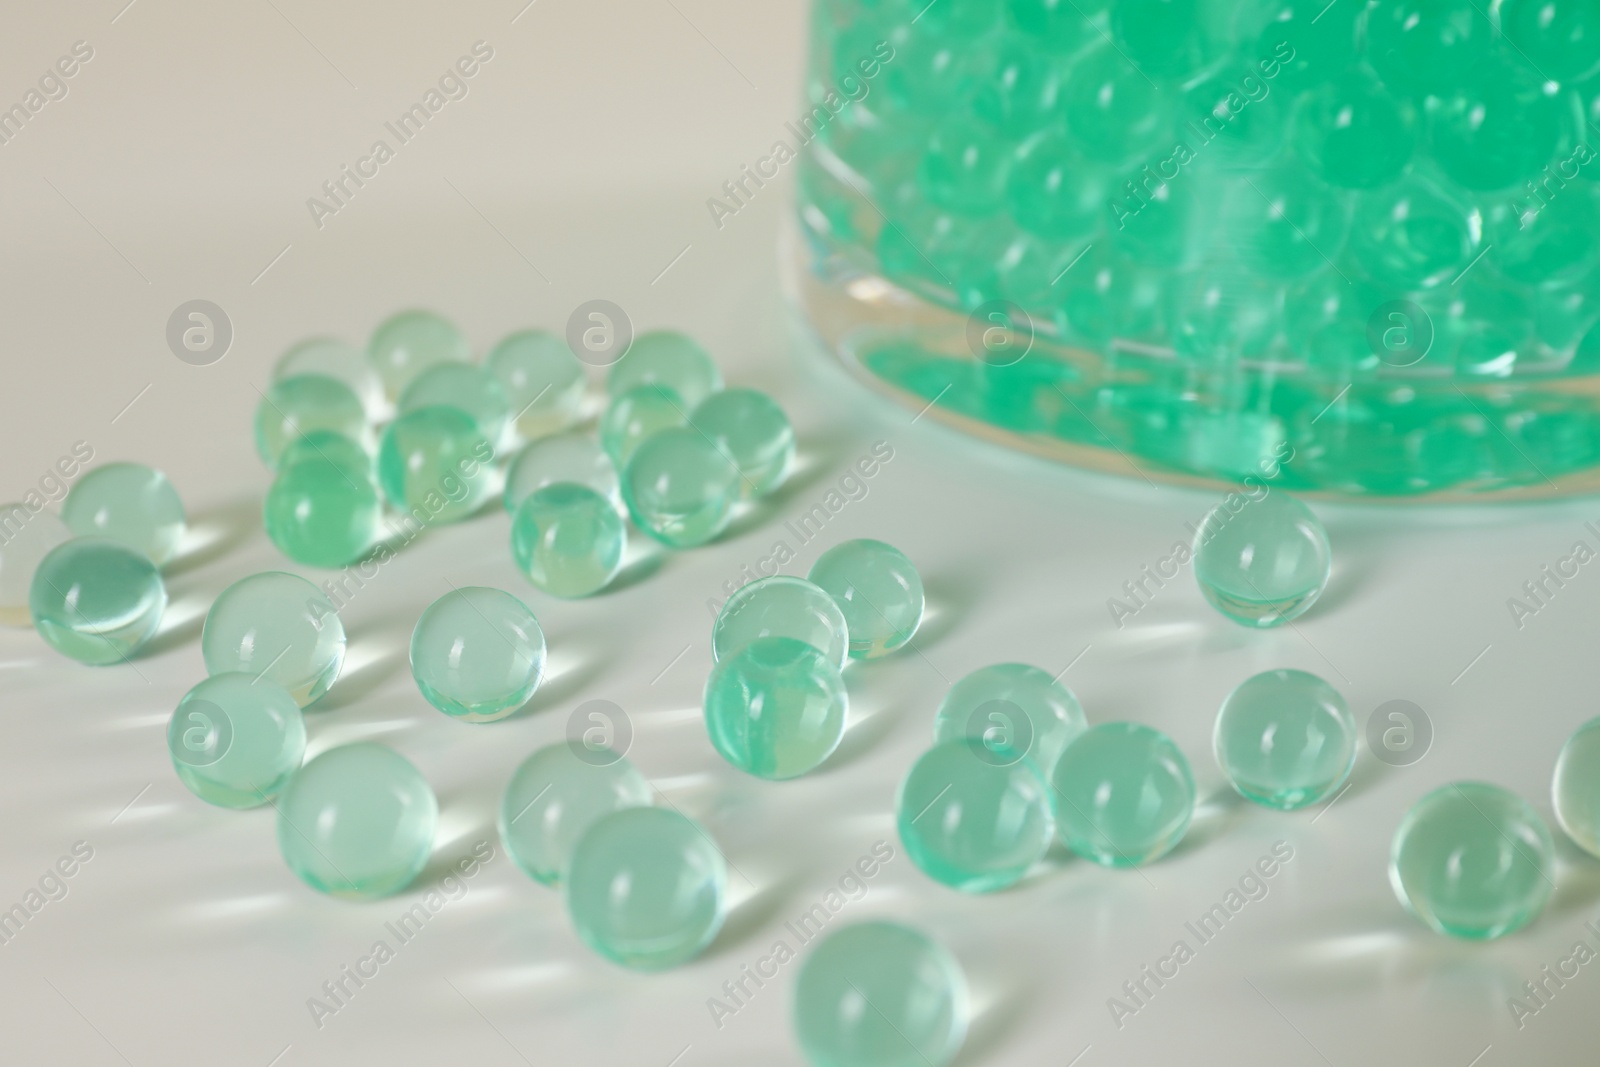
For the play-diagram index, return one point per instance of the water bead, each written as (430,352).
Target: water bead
(464,386)
(775,708)
(665,357)
(1285,223)
(879,994)
(130,503)
(343,452)
(1561,38)
(1054,192)
(1123,794)
(407,344)
(1354,134)
(751,429)
(293,407)
(568,539)
(1310,38)
(96,600)
(1545,244)
(1285,739)
(1165,38)
(1261,562)
(782,606)
(357,821)
(1105,296)
(1497,130)
(1224,314)
(973,817)
(646,888)
(964,167)
(554,796)
(1024,92)
(1412,237)
(332,358)
(1012,707)
(1472,860)
(1575,789)
(572,457)
(541,377)
(637,415)
(323,512)
(1244,131)
(236,739)
(1063,26)
(26,536)
(279,627)
(1427,45)
(1113,111)
(436,459)
(477,654)
(878,591)
(679,489)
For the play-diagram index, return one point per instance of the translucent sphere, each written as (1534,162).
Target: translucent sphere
(1062,27)
(278,627)
(781,606)
(1261,562)
(645,888)
(435,461)
(1472,860)
(1412,237)
(1550,244)
(1576,787)
(293,407)
(26,537)
(568,540)
(346,453)
(323,512)
(1054,192)
(1015,708)
(751,429)
(1497,130)
(879,994)
(130,503)
(407,344)
(679,489)
(570,457)
(555,795)
(877,589)
(236,739)
(357,821)
(477,653)
(665,357)
(542,378)
(974,817)
(964,166)
(1286,222)
(1427,45)
(336,359)
(775,708)
(1113,111)
(1559,37)
(1285,739)
(635,416)
(1123,794)
(96,600)
(466,387)
(1166,38)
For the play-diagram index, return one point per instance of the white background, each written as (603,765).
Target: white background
(579,165)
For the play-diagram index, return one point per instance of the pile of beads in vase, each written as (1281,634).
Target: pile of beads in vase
(1367,233)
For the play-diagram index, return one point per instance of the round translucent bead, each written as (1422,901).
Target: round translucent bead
(1247,131)
(96,600)
(1285,222)
(130,503)
(878,994)
(751,429)
(645,888)
(1472,860)
(1497,130)
(1123,794)
(974,817)
(1285,739)
(878,591)
(964,167)
(336,359)
(407,344)
(1560,37)
(477,653)
(1113,111)
(357,821)
(1545,244)
(775,708)
(542,379)
(436,459)
(236,739)
(1354,134)
(555,795)
(1012,707)
(1427,45)
(293,407)
(277,626)
(680,489)
(26,537)
(1412,237)
(1318,38)
(466,387)
(1576,787)
(665,357)
(576,458)
(1024,91)
(1063,26)
(1167,38)
(343,452)
(568,540)
(323,512)
(781,606)
(1054,192)
(633,417)
(1261,562)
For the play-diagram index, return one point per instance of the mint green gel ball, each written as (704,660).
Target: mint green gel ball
(542,379)
(1472,860)
(26,536)
(1113,112)
(130,503)
(96,600)
(1575,789)
(1123,794)
(477,653)
(294,407)
(466,387)
(1410,236)
(972,816)
(878,591)
(679,489)
(1261,562)
(1497,130)
(568,540)
(879,994)
(435,461)
(646,888)
(555,795)
(333,358)
(1012,707)
(236,739)
(343,452)
(775,708)
(1559,37)
(323,512)
(1428,45)
(567,457)
(781,606)
(357,822)
(751,429)
(405,345)
(1354,134)
(635,416)
(278,627)
(1285,739)
(670,359)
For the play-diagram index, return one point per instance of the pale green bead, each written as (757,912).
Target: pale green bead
(878,590)
(354,458)
(542,378)
(781,606)
(407,344)
(336,359)
(752,430)
(96,600)
(665,357)
(323,509)
(1123,794)
(1013,708)
(1264,561)
(555,795)
(435,461)
(278,627)
(26,536)
(568,540)
(130,503)
(305,403)
(635,416)
(1575,788)
(466,387)
(680,489)
(1285,739)
(568,457)
(775,708)
(477,654)
(235,739)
